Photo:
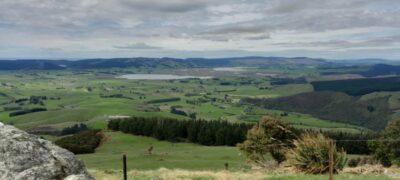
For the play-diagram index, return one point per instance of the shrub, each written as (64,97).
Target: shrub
(354,162)
(311,155)
(269,137)
(177,111)
(81,143)
(386,148)
(364,161)
(385,161)
(37,99)
(165,100)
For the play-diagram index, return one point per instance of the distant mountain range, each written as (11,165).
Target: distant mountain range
(156,62)
(375,67)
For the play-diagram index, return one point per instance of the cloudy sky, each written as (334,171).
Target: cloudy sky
(335,29)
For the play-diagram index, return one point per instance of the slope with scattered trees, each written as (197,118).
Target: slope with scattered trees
(339,107)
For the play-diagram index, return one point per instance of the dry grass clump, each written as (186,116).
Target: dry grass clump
(374,170)
(366,169)
(167,174)
(172,174)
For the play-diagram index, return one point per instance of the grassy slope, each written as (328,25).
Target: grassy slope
(165,154)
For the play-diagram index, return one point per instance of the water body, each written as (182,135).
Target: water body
(160,77)
(230,69)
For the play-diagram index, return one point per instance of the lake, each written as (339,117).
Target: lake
(160,77)
(230,69)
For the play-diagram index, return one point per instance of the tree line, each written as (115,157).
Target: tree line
(353,143)
(26,111)
(210,133)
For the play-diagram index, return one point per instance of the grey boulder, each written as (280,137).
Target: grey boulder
(27,157)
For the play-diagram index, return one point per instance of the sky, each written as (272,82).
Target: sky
(74,29)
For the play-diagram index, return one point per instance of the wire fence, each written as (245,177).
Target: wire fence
(330,161)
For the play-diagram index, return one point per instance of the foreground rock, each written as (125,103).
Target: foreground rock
(25,156)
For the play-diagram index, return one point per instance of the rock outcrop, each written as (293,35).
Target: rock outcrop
(25,156)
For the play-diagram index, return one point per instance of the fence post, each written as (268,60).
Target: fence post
(331,160)
(124,162)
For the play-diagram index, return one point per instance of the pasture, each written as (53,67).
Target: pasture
(91,96)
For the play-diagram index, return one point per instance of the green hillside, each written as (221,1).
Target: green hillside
(339,107)
(165,154)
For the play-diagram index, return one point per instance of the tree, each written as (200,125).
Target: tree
(269,137)
(311,155)
(386,148)
(193,115)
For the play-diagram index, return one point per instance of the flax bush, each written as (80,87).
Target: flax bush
(311,155)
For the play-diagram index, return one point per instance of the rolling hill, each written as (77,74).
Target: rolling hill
(32,64)
(335,106)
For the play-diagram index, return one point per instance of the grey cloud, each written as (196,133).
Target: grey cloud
(296,6)
(75,17)
(344,44)
(196,21)
(176,6)
(233,37)
(235,32)
(258,37)
(321,15)
(237,29)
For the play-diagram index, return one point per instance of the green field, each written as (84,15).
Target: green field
(165,154)
(91,96)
